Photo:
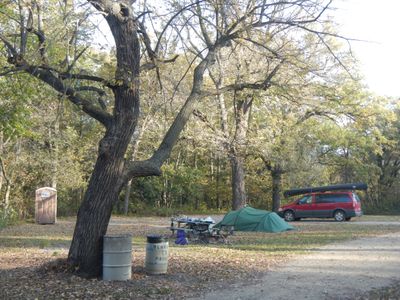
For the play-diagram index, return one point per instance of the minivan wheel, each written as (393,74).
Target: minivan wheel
(339,215)
(288,215)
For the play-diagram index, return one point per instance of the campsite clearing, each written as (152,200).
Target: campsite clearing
(28,252)
(364,268)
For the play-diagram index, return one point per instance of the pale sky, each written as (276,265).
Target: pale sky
(378,22)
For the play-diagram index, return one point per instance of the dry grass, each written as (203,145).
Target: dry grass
(29,268)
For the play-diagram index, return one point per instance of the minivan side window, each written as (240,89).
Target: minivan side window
(306,200)
(332,198)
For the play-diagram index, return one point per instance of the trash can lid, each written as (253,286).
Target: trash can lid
(153,238)
(118,236)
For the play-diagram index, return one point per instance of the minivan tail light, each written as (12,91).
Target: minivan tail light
(354,201)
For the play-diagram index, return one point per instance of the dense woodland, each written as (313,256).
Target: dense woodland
(316,124)
(239,100)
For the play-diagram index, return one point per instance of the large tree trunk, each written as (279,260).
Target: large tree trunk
(6,200)
(108,177)
(94,214)
(276,175)
(237,154)
(217,183)
(235,149)
(7,197)
(5,175)
(1,155)
(238,183)
(111,171)
(276,171)
(54,149)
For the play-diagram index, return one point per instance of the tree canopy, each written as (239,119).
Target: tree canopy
(226,102)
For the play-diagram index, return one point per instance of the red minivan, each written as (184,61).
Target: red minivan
(323,203)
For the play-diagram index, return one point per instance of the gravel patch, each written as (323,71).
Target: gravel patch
(348,270)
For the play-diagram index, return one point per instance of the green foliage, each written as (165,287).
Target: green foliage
(314,122)
(179,188)
(46,141)
(8,216)
(14,114)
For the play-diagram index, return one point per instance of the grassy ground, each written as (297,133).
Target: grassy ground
(389,218)
(29,268)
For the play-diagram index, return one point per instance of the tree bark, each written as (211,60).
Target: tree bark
(111,171)
(235,148)
(237,153)
(217,183)
(1,155)
(54,148)
(276,170)
(103,190)
(238,183)
(276,175)
(6,200)
(7,197)
(106,182)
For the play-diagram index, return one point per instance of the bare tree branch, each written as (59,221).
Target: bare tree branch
(91,89)
(105,82)
(204,119)
(172,19)
(11,71)
(264,85)
(23,32)
(152,65)
(141,169)
(71,66)
(86,106)
(203,28)
(101,93)
(3,170)
(172,135)
(9,46)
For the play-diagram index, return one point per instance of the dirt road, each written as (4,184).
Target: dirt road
(339,271)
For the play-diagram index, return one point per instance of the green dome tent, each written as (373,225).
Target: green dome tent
(251,219)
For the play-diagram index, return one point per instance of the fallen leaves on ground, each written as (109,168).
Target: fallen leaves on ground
(32,265)
(32,260)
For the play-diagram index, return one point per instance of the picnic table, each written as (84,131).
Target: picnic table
(198,230)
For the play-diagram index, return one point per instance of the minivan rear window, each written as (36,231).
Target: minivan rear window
(332,198)
(356,196)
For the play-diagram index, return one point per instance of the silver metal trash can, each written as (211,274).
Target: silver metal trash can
(156,255)
(117,257)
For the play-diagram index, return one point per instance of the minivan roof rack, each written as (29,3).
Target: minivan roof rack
(338,187)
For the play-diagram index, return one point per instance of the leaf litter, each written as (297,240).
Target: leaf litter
(33,264)
(33,261)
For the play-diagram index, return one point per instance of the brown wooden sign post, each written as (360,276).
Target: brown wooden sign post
(46,205)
